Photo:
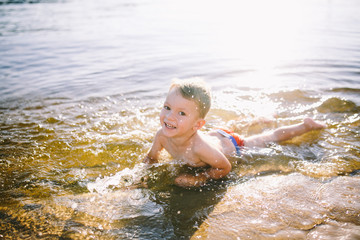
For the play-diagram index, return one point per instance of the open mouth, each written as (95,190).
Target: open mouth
(169,125)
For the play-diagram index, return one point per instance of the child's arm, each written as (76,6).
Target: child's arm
(188,180)
(153,154)
(219,168)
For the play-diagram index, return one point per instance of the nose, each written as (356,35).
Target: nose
(170,115)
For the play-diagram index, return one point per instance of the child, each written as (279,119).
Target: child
(183,114)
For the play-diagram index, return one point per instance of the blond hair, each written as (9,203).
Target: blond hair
(194,89)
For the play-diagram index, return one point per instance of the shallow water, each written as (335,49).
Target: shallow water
(82,83)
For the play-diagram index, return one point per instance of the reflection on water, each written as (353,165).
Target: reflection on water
(82,83)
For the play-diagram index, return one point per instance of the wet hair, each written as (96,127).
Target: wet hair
(194,89)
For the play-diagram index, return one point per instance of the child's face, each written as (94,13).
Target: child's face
(179,115)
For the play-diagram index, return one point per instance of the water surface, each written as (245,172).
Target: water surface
(82,83)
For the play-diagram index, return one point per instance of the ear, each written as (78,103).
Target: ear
(199,124)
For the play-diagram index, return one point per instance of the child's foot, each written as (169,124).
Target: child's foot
(311,124)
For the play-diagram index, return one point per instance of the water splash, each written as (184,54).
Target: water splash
(123,179)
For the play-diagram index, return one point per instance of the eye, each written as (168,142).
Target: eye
(182,114)
(166,107)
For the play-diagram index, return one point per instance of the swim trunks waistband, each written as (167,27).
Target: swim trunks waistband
(235,138)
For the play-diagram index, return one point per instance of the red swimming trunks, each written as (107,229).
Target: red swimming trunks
(234,137)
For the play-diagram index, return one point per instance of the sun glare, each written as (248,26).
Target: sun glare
(259,34)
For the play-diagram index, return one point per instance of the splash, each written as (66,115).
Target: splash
(123,179)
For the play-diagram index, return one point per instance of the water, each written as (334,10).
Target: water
(82,83)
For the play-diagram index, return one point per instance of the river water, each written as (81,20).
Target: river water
(82,84)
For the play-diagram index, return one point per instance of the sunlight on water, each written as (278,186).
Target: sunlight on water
(257,36)
(267,22)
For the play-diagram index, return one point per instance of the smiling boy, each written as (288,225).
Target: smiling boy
(183,114)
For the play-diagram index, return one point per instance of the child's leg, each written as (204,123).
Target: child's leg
(283,133)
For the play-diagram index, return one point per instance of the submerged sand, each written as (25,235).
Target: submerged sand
(287,207)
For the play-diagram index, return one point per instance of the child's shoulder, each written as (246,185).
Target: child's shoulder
(159,136)
(202,143)
(208,150)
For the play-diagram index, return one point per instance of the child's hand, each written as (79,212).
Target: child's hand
(149,160)
(188,180)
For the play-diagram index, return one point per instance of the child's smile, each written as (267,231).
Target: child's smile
(169,125)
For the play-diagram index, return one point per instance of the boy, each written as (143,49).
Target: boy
(183,114)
